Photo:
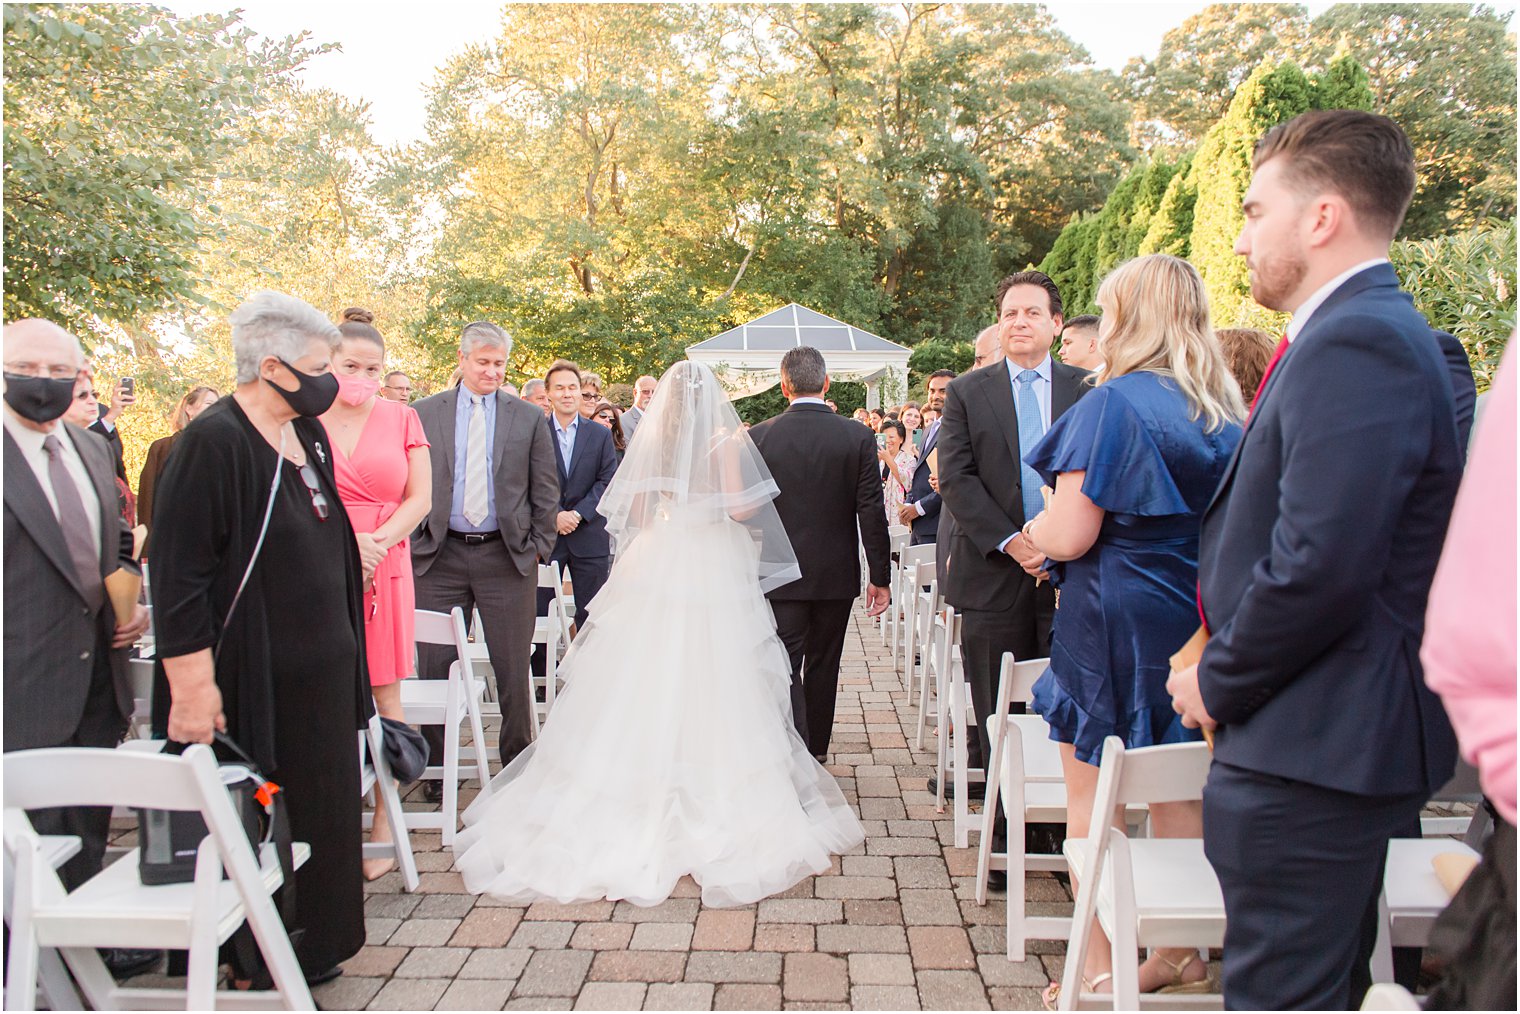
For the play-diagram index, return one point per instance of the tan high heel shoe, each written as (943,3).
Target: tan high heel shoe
(1177,985)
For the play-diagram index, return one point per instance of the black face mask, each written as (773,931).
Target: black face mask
(40,399)
(313,397)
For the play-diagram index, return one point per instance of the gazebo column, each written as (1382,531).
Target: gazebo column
(873,394)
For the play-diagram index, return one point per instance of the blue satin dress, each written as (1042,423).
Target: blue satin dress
(1130,602)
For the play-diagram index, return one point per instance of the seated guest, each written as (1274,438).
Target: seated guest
(385,479)
(1247,352)
(259,591)
(1079,342)
(608,415)
(1133,466)
(195,401)
(65,663)
(1469,656)
(897,462)
(587,463)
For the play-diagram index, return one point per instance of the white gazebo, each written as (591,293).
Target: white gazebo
(747,359)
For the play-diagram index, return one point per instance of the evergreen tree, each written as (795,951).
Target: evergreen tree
(1073,249)
(1111,229)
(1172,225)
(1153,189)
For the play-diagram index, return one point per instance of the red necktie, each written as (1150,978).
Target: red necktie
(1277,354)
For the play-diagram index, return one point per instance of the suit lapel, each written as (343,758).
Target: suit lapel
(104,480)
(24,496)
(504,428)
(448,407)
(999,394)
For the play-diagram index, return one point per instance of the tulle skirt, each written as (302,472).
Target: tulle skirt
(671,750)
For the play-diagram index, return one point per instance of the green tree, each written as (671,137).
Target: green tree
(1171,227)
(119,119)
(1153,189)
(1188,85)
(1446,73)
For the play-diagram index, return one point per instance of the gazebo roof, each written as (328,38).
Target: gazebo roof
(794,325)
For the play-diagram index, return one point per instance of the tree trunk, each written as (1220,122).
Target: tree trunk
(744,264)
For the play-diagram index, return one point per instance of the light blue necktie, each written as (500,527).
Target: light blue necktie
(1031,429)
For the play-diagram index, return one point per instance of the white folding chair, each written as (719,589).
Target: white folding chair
(930,614)
(917,561)
(449,703)
(1463,787)
(114,909)
(1389,996)
(52,977)
(140,673)
(1145,892)
(1412,897)
(378,785)
(553,632)
(897,543)
(956,721)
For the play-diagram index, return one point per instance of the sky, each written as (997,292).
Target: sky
(391,47)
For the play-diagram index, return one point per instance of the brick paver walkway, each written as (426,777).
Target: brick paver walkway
(894,925)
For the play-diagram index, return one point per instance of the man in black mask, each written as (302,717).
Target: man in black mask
(65,666)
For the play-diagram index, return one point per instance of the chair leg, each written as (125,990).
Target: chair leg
(1382,949)
(90,972)
(998,725)
(1081,931)
(478,735)
(451,778)
(21,975)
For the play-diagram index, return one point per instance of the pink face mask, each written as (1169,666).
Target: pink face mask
(355,389)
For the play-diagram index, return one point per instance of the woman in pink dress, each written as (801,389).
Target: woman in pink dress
(385,479)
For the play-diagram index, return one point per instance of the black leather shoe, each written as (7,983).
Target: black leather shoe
(997,880)
(123,963)
(316,979)
(432,791)
(821,758)
(933,788)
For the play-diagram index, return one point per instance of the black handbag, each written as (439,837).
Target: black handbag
(406,751)
(169,839)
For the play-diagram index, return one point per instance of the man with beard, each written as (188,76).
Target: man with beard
(1315,562)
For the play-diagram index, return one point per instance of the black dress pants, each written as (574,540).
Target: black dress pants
(813,631)
(985,636)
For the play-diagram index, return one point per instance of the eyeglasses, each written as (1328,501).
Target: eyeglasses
(57,371)
(86,396)
(589,396)
(319,505)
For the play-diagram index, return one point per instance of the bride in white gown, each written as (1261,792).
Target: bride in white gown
(671,750)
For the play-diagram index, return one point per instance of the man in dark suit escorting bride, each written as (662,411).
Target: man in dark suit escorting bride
(826,468)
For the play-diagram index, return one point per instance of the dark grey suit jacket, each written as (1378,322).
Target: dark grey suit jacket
(51,636)
(526,479)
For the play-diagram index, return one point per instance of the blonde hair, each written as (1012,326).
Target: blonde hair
(192,399)
(1156,318)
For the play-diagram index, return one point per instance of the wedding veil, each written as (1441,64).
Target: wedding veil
(690,459)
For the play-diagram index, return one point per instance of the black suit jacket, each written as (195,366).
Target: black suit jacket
(826,466)
(1317,553)
(982,483)
(52,638)
(920,492)
(592,465)
(112,437)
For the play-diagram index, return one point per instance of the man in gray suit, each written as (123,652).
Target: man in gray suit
(643,394)
(495,497)
(65,666)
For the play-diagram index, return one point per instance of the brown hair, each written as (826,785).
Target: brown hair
(1039,278)
(360,323)
(1246,352)
(193,398)
(1364,157)
(559,365)
(618,440)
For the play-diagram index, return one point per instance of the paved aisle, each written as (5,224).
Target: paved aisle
(894,926)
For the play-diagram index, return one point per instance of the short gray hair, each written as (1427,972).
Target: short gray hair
(483,332)
(531,387)
(804,371)
(275,324)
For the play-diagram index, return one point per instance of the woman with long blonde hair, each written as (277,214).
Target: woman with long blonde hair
(1133,465)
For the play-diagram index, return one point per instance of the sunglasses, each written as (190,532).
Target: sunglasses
(589,396)
(319,505)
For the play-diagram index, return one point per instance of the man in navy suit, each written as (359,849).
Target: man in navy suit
(1315,561)
(587,461)
(921,508)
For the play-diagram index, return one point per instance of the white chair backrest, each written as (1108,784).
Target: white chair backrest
(915,555)
(549,576)
(1171,773)
(1017,679)
(79,776)
(923,574)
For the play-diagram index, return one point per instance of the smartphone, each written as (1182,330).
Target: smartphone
(881,441)
(129,386)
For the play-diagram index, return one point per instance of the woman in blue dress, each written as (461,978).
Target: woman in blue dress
(1133,465)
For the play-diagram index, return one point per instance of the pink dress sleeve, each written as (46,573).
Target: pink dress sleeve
(1469,646)
(412,435)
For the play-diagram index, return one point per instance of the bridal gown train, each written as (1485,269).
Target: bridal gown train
(670,751)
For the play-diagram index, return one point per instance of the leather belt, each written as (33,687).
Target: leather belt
(474,538)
